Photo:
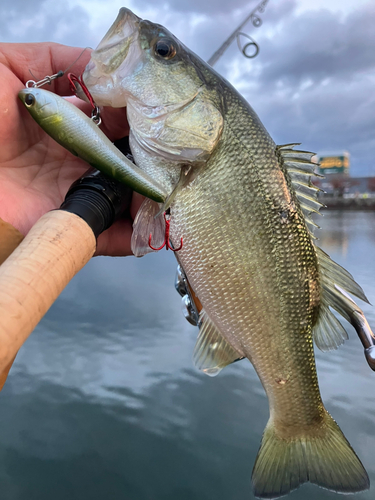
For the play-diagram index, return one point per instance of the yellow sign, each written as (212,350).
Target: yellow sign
(334,164)
(334,161)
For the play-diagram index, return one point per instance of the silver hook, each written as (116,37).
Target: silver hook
(95,116)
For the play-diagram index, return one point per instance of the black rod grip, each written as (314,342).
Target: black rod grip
(97,199)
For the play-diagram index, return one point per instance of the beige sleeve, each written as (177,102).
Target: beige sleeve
(10,238)
(35,273)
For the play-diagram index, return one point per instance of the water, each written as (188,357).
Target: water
(103,400)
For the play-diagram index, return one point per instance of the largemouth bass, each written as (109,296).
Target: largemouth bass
(71,128)
(243,206)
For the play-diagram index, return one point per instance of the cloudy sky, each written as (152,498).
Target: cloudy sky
(314,78)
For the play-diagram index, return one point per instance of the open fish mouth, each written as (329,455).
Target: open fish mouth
(115,46)
(116,56)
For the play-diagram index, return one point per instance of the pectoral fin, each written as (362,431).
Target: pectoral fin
(185,175)
(145,224)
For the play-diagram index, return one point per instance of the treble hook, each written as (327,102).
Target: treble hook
(95,112)
(166,243)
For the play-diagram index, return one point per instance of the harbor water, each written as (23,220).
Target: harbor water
(103,400)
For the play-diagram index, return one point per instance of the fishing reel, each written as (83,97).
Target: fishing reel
(189,307)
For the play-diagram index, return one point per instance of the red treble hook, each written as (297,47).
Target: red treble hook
(95,113)
(166,239)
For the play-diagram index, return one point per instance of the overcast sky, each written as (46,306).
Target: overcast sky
(314,78)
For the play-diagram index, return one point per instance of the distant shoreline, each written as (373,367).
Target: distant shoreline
(339,203)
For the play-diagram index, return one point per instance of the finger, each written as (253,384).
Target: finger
(114,122)
(82,105)
(137,201)
(44,59)
(115,241)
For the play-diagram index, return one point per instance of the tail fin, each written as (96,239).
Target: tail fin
(328,460)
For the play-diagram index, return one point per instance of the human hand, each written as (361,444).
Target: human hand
(35,171)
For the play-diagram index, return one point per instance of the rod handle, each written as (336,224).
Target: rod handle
(34,275)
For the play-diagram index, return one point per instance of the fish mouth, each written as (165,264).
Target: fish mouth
(114,47)
(106,65)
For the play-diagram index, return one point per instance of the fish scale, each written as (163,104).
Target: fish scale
(242,206)
(247,280)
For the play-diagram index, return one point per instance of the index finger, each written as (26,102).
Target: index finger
(44,59)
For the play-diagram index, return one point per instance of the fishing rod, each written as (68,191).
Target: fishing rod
(237,33)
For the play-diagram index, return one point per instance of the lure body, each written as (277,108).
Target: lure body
(71,128)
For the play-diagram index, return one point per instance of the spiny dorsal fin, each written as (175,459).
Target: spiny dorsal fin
(300,169)
(212,352)
(328,332)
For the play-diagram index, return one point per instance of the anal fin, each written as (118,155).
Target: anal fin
(328,332)
(212,352)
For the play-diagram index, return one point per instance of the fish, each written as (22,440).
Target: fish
(244,207)
(75,131)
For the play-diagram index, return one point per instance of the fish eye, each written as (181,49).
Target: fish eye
(29,100)
(165,49)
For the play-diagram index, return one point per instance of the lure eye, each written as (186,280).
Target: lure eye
(165,49)
(29,100)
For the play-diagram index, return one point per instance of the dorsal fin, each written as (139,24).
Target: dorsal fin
(335,274)
(328,332)
(300,169)
(212,352)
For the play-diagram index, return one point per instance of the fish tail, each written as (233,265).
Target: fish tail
(325,458)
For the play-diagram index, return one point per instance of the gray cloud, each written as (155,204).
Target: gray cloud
(43,20)
(207,6)
(203,26)
(21,7)
(318,45)
(312,82)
